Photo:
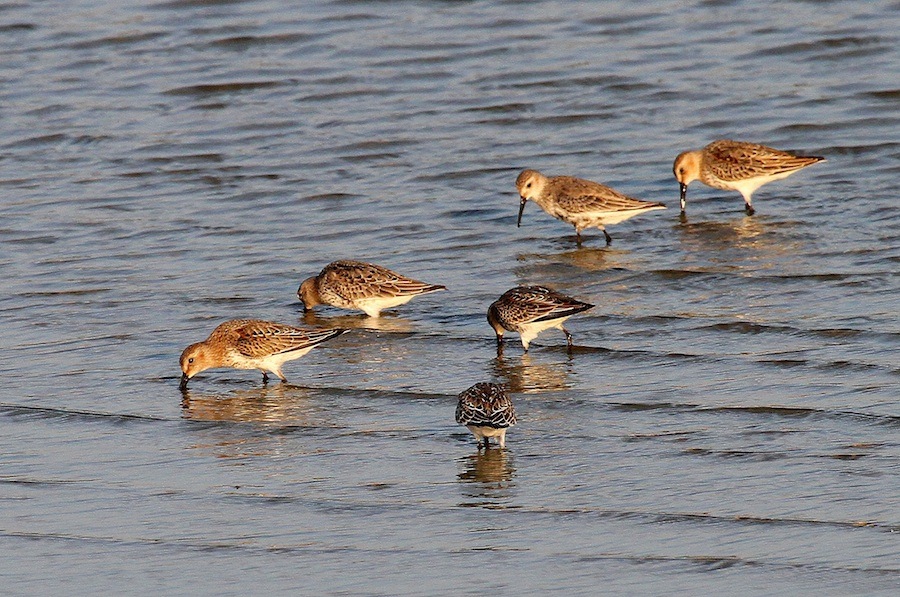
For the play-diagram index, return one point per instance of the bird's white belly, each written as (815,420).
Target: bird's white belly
(746,186)
(530,331)
(274,362)
(372,306)
(480,431)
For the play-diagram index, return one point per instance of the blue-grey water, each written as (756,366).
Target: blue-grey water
(728,422)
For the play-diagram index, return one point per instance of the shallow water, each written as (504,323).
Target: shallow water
(729,416)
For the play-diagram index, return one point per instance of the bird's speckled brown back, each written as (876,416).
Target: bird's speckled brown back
(737,160)
(485,405)
(255,338)
(527,304)
(344,282)
(577,195)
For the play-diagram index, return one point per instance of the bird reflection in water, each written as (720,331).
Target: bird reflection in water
(274,412)
(386,323)
(591,259)
(552,267)
(525,374)
(739,242)
(276,403)
(488,474)
(744,232)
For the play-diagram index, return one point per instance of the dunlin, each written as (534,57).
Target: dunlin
(582,203)
(736,166)
(362,286)
(486,411)
(251,344)
(529,310)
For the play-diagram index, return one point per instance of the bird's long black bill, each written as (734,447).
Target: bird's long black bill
(184,380)
(683,196)
(521,209)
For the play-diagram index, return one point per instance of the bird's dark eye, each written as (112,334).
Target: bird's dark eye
(681,170)
(191,360)
(528,186)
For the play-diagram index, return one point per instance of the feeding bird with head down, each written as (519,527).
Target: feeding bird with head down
(736,166)
(579,202)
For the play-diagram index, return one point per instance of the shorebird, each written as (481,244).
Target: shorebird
(529,310)
(736,166)
(486,411)
(362,286)
(251,344)
(582,203)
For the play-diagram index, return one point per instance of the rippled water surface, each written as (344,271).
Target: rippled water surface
(728,419)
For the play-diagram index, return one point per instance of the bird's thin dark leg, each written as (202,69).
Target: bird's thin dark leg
(608,237)
(578,237)
(749,209)
(265,378)
(569,342)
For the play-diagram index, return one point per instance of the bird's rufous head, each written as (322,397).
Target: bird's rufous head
(309,294)
(686,170)
(529,183)
(194,359)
